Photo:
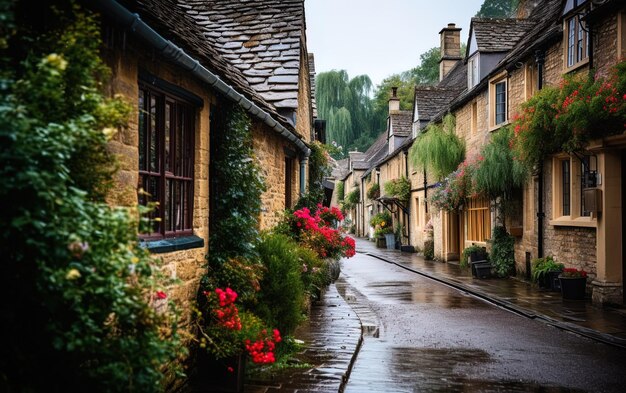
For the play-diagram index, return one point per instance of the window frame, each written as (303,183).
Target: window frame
(473,71)
(575,42)
(179,175)
(501,79)
(560,215)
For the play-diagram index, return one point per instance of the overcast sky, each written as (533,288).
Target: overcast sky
(380,37)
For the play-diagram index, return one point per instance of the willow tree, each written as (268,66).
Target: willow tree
(347,107)
(438,149)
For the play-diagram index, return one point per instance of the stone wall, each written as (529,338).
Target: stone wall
(186,266)
(269,148)
(605,45)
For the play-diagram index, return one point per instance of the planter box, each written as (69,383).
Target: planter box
(483,269)
(573,288)
(473,264)
(380,242)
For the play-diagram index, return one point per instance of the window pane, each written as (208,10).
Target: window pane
(178,169)
(571,37)
(143,133)
(153,139)
(565,165)
(153,190)
(168,140)
(580,54)
(500,102)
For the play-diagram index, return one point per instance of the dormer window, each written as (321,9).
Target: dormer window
(575,36)
(473,71)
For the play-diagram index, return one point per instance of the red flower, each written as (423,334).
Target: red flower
(161,295)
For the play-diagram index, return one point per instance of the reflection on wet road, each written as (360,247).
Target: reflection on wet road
(437,339)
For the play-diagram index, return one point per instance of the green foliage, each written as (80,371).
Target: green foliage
(347,107)
(315,272)
(340,191)
(498,172)
(427,73)
(373,191)
(281,299)
(541,267)
(502,252)
(399,188)
(319,169)
(438,149)
(429,249)
(80,311)
(237,194)
(498,9)
(382,223)
(474,248)
(354,196)
(567,117)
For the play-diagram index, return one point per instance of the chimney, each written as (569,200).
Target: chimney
(394,101)
(450,48)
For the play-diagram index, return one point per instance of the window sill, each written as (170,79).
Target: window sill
(566,221)
(493,128)
(576,66)
(173,244)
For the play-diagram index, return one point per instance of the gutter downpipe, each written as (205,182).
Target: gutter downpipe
(408,207)
(170,51)
(539,60)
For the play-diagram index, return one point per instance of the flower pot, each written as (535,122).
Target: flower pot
(573,288)
(380,242)
(221,375)
(390,239)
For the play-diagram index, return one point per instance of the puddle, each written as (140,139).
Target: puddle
(407,292)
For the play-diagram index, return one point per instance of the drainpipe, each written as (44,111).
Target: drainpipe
(425,193)
(178,56)
(408,204)
(303,162)
(539,60)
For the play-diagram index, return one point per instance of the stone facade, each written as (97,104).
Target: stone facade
(185,266)
(270,150)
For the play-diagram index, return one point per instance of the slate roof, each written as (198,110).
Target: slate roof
(456,78)
(312,80)
(260,37)
(546,17)
(171,21)
(401,122)
(498,35)
(376,152)
(431,100)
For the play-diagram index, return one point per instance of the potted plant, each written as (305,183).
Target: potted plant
(227,338)
(382,226)
(545,272)
(573,283)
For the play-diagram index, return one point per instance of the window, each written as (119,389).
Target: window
(288,180)
(577,42)
(474,121)
(166,160)
(473,76)
(498,101)
(571,176)
(478,219)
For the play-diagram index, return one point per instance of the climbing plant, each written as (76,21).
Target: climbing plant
(79,293)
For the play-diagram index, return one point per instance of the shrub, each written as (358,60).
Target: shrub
(474,248)
(353,197)
(80,295)
(340,191)
(429,249)
(502,252)
(281,298)
(315,271)
(373,191)
(541,267)
(399,188)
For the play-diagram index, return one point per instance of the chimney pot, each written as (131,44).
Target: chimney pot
(394,101)
(451,25)
(394,92)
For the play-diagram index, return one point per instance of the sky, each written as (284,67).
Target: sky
(380,37)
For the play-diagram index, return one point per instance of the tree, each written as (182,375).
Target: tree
(498,9)
(347,107)
(427,73)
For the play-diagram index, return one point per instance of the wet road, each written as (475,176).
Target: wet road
(426,337)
